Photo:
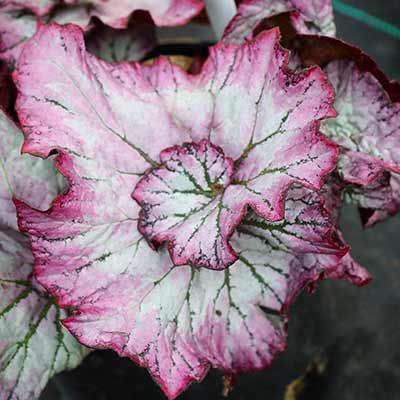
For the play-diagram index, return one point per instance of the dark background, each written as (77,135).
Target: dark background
(356,331)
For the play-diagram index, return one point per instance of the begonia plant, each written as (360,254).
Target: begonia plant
(173,216)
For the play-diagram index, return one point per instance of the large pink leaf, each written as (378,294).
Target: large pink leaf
(178,321)
(138,111)
(109,124)
(313,17)
(33,343)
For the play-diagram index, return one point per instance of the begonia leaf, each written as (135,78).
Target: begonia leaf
(371,216)
(178,321)
(33,343)
(312,17)
(109,124)
(321,50)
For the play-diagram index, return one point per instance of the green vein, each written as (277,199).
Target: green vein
(253,145)
(23,295)
(15,282)
(259,278)
(24,344)
(25,341)
(60,343)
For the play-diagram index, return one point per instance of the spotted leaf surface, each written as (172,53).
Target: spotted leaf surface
(314,17)
(25,177)
(367,126)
